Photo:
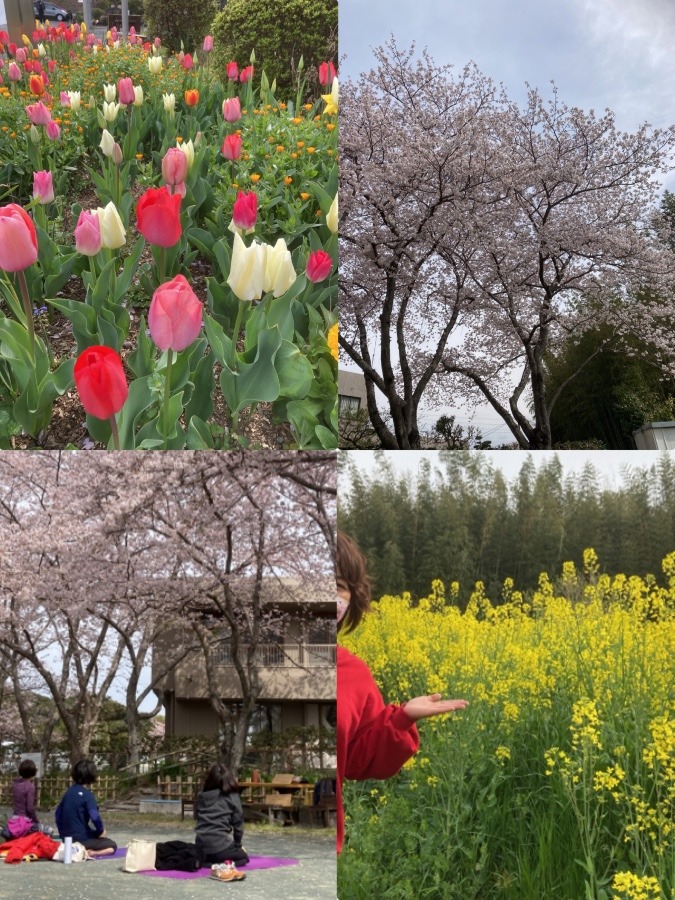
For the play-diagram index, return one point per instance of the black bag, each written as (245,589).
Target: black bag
(177,855)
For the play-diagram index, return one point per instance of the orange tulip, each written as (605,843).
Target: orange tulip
(192,97)
(36,85)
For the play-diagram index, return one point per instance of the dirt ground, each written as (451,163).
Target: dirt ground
(314,878)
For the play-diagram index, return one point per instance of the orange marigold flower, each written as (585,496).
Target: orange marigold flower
(304,196)
(255,177)
(288,179)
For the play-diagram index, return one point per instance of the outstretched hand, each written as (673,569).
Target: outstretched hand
(432,705)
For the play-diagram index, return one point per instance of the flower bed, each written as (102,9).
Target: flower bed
(182,228)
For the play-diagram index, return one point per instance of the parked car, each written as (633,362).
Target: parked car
(54,13)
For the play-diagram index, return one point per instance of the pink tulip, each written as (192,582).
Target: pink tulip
(174,166)
(232,71)
(18,239)
(38,113)
(319,266)
(245,210)
(65,99)
(158,42)
(53,131)
(88,233)
(43,186)
(232,109)
(175,316)
(21,55)
(125,89)
(51,65)
(208,44)
(14,72)
(246,74)
(326,74)
(187,62)
(231,148)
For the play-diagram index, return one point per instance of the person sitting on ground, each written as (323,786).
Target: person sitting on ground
(23,796)
(77,814)
(220,819)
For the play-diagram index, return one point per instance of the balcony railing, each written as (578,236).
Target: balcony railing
(282,655)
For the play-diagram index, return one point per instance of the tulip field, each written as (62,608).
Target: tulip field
(168,247)
(558,780)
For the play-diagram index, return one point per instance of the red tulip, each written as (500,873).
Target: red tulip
(100,381)
(125,89)
(245,210)
(4,37)
(158,217)
(232,71)
(18,239)
(246,74)
(231,148)
(231,109)
(319,266)
(326,74)
(175,317)
(187,62)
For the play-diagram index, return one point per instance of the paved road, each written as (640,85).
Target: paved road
(313,879)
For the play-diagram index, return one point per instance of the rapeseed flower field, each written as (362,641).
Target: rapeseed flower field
(558,781)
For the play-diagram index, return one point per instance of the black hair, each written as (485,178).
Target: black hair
(84,772)
(27,768)
(220,778)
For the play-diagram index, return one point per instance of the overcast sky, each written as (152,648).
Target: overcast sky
(610,464)
(600,53)
(615,54)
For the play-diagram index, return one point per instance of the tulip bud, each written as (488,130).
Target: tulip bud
(319,266)
(187,62)
(110,92)
(189,150)
(138,95)
(53,131)
(232,71)
(208,44)
(14,72)
(332,216)
(34,135)
(117,156)
(231,148)
(251,58)
(174,166)
(245,210)
(169,104)
(155,64)
(107,143)
(41,50)
(125,89)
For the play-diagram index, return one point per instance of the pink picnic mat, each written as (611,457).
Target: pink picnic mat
(256,862)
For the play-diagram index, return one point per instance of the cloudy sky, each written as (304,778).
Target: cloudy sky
(600,53)
(615,54)
(611,465)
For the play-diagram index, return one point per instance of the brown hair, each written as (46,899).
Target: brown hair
(351,569)
(220,778)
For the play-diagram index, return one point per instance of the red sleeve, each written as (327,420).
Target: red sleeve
(374,740)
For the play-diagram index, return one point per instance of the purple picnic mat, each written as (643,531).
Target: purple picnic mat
(256,862)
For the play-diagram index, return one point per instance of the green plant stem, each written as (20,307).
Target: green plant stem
(167,393)
(115,433)
(162,266)
(28,310)
(235,332)
(92,268)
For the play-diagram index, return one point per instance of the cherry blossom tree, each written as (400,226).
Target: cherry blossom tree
(103,554)
(478,233)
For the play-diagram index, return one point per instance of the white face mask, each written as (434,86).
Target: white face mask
(342,607)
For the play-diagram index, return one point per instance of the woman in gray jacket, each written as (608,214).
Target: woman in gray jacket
(220,819)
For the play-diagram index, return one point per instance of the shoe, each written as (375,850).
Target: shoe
(226,872)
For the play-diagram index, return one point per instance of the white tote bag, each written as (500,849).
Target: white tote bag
(140,856)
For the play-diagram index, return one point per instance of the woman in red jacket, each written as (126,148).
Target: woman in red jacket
(373,740)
